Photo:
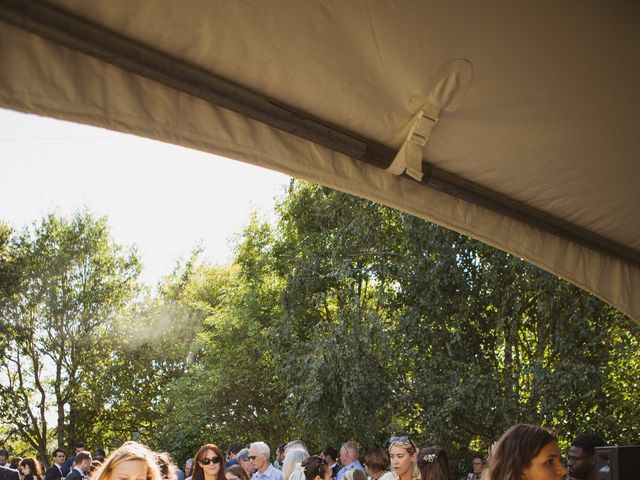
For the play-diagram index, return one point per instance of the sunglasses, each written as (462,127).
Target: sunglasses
(403,439)
(207,461)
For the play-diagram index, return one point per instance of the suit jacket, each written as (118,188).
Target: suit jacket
(67,466)
(53,473)
(74,475)
(7,473)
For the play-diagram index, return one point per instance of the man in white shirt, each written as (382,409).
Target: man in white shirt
(259,453)
(350,458)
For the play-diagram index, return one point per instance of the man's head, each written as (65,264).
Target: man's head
(280,452)
(349,453)
(58,456)
(581,460)
(478,464)
(79,447)
(4,455)
(83,460)
(330,455)
(259,456)
(233,450)
(99,455)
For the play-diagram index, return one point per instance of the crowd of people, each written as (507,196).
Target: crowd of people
(523,452)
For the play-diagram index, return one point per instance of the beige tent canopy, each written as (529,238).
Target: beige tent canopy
(513,122)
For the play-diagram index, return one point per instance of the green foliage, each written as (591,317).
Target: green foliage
(347,320)
(233,392)
(72,280)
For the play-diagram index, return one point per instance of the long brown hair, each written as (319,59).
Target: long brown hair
(198,472)
(433,463)
(34,467)
(238,471)
(515,450)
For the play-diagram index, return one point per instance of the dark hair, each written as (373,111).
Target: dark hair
(4,452)
(165,464)
(376,460)
(357,474)
(82,456)
(34,466)
(238,471)
(235,447)
(198,473)
(588,442)
(433,463)
(515,450)
(311,467)
(80,445)
(58,450)
(15,462)
(331,451)
(95,464)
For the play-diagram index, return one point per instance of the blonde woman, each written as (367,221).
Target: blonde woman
(403,453)
(292,460)
(132,461)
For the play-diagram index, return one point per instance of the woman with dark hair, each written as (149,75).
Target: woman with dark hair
(311,468)
(433,463)
(525,452)
(15,463)
(30,469)
(403,453)
(235,472)
(208,463)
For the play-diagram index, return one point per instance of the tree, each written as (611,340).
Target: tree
(233,391)
(73,281)
(333,252)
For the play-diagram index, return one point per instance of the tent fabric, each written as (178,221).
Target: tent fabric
(548,119)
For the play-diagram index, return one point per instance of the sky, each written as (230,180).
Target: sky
(165,200)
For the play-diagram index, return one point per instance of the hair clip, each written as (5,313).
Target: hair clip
(430,457)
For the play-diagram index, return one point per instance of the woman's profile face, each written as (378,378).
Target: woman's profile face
(25,469)
(546,465)
(246,465)
(130,470)
(401,460)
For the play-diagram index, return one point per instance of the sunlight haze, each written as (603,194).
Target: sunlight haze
(164,199)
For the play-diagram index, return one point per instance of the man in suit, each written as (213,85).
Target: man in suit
(7,473)
(330,455)
(82,466)
(68,464)
(55,471)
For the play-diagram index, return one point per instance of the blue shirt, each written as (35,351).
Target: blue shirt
(351,466)
(271,473)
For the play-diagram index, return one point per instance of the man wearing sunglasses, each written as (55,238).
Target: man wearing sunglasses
(581,461)
(259,453)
